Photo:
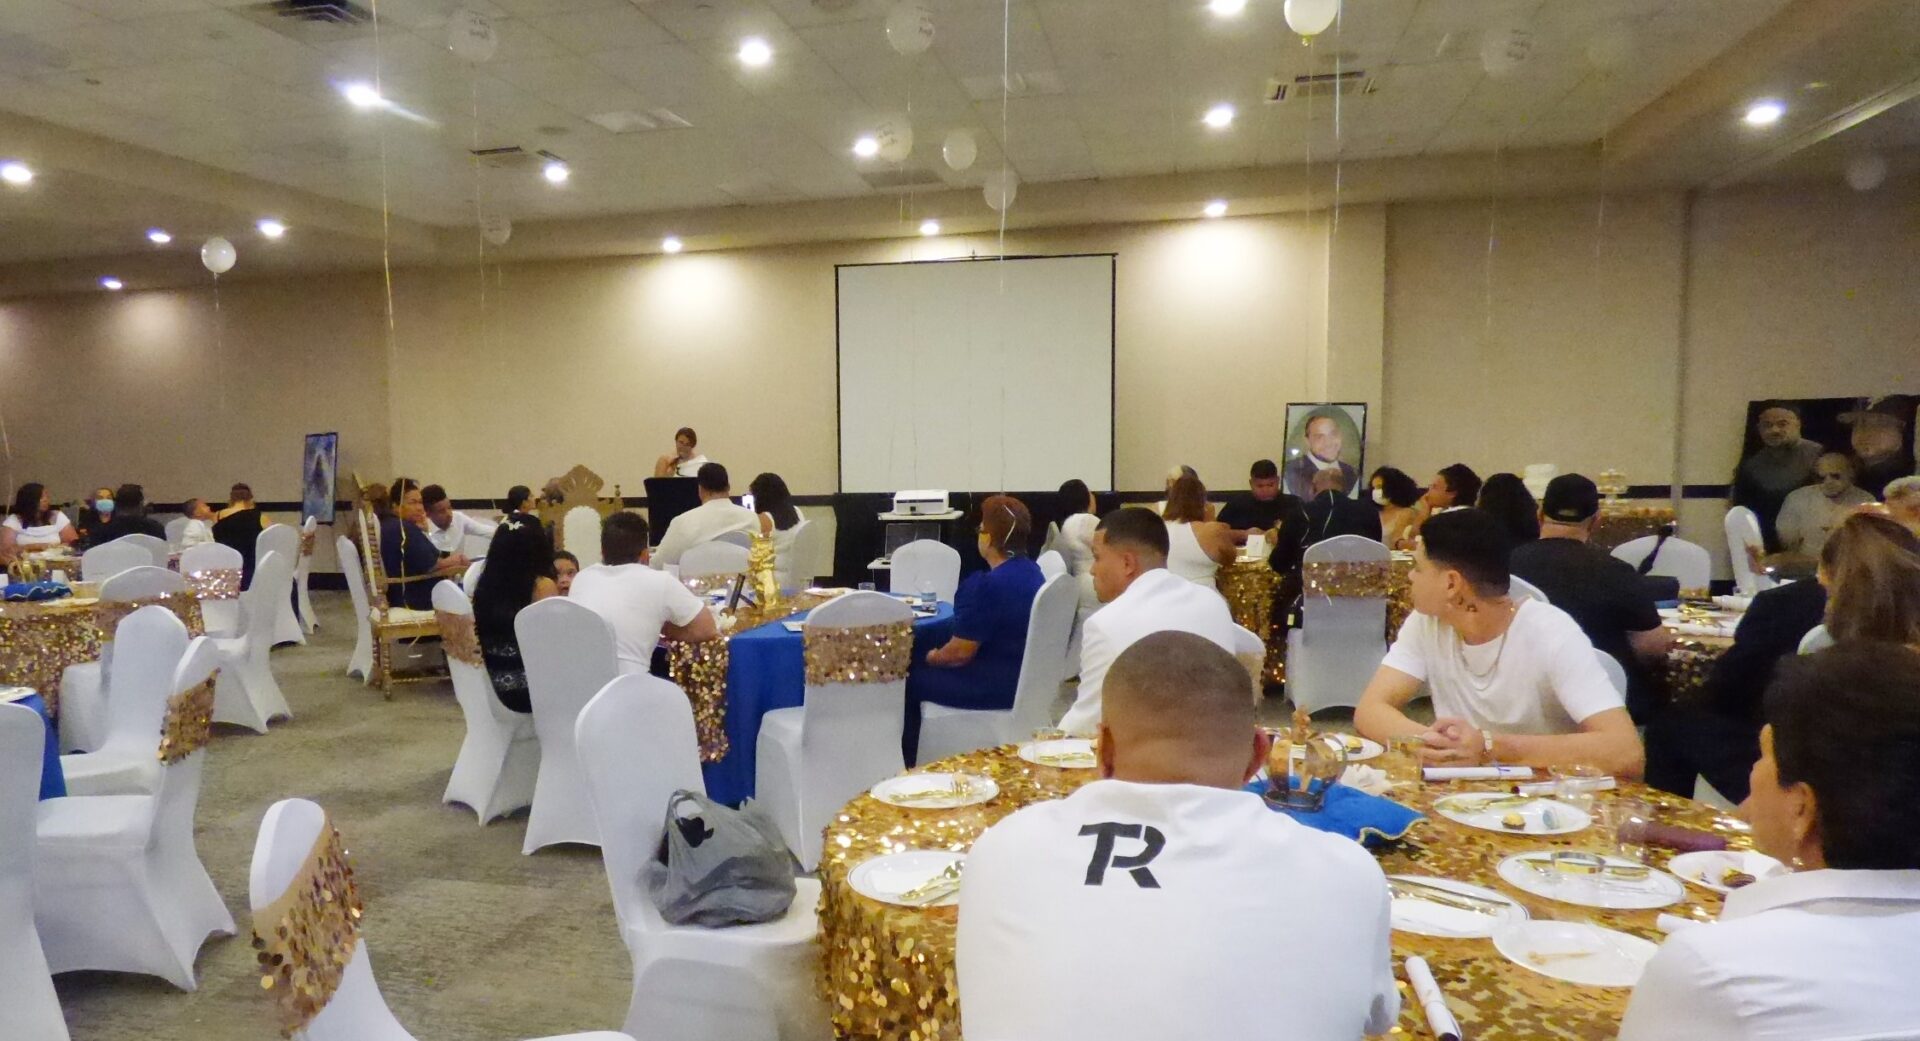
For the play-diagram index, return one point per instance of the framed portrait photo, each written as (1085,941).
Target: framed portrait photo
(318,464)
(1324,435)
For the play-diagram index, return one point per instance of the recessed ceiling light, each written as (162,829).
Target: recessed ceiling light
(866,147)
(362,95)
(672,244)
(16,173)
(556,172)
(111,283)
(1227,8)
(1219,117)
(158,236)
(1764,113)
(271,228)
(1216,208)
(755,52)
(929,227)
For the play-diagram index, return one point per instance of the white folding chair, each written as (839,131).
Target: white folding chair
(247,693)
(1817,639)
(470,581)
(221,616)
(1616,672)
(156,548)
(568,652)
(713,558)
(580,534)
(110,558)
(356,1010)
(737,538)
(176,528)
(125,759)
(1686,561)
(493,774)
(811,555)
(1341,639)
(84,698)
(1519,589)
(284,540)
(1743,531)
(301,572)
(1051,563)
(637,748)
(118,885)
(926,564)
(26,986)
(844,737)
(946,731)
(361,660)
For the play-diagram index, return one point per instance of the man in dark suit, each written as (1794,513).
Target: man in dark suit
(1333,512)
(1324,445)
(1717,735)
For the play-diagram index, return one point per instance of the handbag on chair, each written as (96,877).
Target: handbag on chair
(719,866)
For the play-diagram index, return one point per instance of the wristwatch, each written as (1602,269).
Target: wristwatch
(1486,738)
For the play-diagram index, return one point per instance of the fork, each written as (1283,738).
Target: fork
(938,886)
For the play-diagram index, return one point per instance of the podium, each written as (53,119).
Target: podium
(667,498)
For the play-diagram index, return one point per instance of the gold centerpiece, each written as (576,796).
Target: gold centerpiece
(1612,483)
(760,560)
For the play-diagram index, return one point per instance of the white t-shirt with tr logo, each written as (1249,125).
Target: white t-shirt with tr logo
(1158,911)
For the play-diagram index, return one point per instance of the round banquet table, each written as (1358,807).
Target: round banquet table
(766,670)
(39,639)
(888,972)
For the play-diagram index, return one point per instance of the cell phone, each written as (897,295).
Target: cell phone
(747,500)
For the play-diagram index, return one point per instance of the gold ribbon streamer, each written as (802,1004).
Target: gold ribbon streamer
(859,653)
(304,940)
(188,725)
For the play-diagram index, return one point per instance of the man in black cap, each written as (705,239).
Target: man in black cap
(1602,593)
(1880,449)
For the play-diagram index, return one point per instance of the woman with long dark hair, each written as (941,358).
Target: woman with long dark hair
(1398,496)
(1507,498)
(519,570)
(778,519)
(35,523)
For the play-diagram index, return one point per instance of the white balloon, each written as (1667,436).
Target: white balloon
(1504,50)
(1311,17)
(910,27)
(218,255)
(1866,172)
(896,139)
(959,149)
(470,35)
(496,230)
(1000,188)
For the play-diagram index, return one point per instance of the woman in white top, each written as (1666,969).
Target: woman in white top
(685,461)
(778,518)
(1826,950)
(35,523)
(198,530)
(1196,545)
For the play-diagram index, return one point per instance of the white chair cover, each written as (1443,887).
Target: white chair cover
(302,570)
(284,540)
(470,581)
(580,534)
(118,884)
(221,617)
(246,692)
(926,563)
(156,549)
(812,553)
(736,538)
(841,740)
(713,558)
(357,1011)
(946,731)
(109,559)
(1519,589)
(361,660)
(32,1009)
(1743,530)
(1616,673)
(176,528)
(1686,561)
(1817,639)
(637,747)
(568,651)
(1341,639)
(148,645)
(84,707)
(1051,563)
(499,758)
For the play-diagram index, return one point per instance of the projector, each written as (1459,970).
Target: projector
(920,503)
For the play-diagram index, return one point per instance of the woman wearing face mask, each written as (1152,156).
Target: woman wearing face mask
(35,523)
(94,514)
(1826,949)
(1396,494)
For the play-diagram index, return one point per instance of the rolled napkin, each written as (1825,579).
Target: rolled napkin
(1673,923)
(1670,836)
(1701,629)
(1550,788)
(1478,773)
(1439,1017)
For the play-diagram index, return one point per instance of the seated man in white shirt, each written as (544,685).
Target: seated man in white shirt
(1130,577)
(716,515)
(1149,904)
(1512,682)
(448,528)
(1826,950)
(640,603)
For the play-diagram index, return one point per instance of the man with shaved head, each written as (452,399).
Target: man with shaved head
(1149,903)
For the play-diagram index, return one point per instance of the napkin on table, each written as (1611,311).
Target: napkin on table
(1366,819)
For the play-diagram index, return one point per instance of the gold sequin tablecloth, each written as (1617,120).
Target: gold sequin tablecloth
(1689,662)
(39,640)
(1248,586)
(888,972)
(1621,523)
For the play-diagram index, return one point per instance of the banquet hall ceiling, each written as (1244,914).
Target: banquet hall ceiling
(202,114)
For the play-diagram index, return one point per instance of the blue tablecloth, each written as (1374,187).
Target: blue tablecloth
(53,782)
(766,671)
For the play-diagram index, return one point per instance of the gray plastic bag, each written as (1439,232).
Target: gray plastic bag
(720,866)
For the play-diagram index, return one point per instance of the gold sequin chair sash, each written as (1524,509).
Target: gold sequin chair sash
(108,614)
(188,724)
(1348,578)
(859,653)
(220,583)
(306,542)
(700,669)
(459,638)
(304,940)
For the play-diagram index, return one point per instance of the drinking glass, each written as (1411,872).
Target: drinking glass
(1576,783)
(1628,819)
(1402,761)
(926,590)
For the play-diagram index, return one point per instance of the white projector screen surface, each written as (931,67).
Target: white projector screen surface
(976,375)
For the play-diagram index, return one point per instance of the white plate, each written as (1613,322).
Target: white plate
(893,790)
(1704,868)
(79,601)
(885,878)
(1032,752)
(9,695)
(1461,808)
(1607,957)
(1658,889)
(1413,915)
(1367,748)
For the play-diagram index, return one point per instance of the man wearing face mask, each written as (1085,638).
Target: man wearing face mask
(1783,462)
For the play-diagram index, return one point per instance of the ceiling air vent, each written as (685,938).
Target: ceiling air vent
(1319,85)
(905,178)
(312,21)
(1034,84)
(639,122)
(510,157)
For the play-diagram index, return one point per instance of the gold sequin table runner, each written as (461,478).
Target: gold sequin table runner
(38,640)
(1248,586)
(888,972)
